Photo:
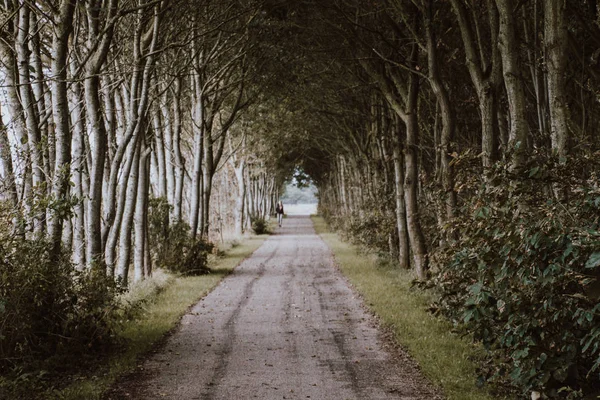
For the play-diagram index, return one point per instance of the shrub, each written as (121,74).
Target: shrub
(173,247)
(522,277)
(372,229)
(260,225)
(49,309)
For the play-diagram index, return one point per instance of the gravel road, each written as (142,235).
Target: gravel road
(284,325)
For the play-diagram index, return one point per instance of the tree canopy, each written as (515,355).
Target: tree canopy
(458,138)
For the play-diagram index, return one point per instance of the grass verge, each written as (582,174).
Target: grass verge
(161,315)
(444,358)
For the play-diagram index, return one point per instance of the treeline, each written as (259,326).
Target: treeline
(122,147)
(461,139)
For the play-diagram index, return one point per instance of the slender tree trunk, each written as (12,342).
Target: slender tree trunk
(411,179)
(240,198)
(30,114)
(77,168)
(403,240)
(42,109)
(60,113)
(199,130)
(122,268)
(207,185)
(160,141)
(98,150)
(179,162)
(139,219)
(9,185)
(519,131)
(98,144)
(447,114)
(556,40)
(113,236)
(486,85)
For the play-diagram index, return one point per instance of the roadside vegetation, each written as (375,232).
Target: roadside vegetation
(143,316)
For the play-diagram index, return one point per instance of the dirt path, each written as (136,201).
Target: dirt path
(284,325)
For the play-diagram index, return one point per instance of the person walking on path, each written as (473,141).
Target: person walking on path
(279,211)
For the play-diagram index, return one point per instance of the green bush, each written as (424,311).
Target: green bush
(48,309)
(371,230)
(172,244)
(523,276)
(260,225)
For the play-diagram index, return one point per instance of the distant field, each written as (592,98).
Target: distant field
(300,209)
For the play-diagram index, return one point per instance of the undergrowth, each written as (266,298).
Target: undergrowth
(523,273)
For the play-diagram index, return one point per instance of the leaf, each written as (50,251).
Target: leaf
(476,288)
(533,171)
(593,261)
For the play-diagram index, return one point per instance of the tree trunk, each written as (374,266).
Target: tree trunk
(411,180)
(122,268)
(403,241)
(9,185)
(448,120)
(519,131)
(160,145)
(556,40)
(196,195)
(486,85)
(140,217)
(115,228)
(78,165)
(60,114)
(97,132)
(179,162)
(240,198)
(31,120)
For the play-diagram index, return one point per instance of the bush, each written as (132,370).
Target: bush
(523,276)
(372,229)
(173,247)
(260,225)
(48,309)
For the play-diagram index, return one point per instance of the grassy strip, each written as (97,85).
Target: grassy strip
(160,316)
(444,358)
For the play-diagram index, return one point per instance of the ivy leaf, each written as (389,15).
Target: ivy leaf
(593,261)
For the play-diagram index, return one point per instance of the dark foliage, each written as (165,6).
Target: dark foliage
(172,245)
(524,275)
(48,310)
(260,225)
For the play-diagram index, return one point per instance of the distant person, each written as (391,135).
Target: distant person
(279,211)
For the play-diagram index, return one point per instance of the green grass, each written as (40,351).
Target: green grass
(160,316)
(444,357)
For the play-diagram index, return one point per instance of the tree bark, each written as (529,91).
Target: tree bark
(98,143)
(122,268)
(60,113)
(556,40)
(78,166)
(140,218)
(179,161)
(411,182)
(513,80)
(31,120)
(403,240)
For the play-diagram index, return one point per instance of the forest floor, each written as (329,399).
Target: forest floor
(284,325)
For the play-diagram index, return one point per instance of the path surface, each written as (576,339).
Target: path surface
(284,325)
